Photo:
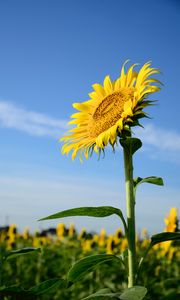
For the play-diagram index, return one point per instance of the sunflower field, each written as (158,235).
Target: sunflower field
(58,248)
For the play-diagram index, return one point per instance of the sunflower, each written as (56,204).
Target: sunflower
(112,109)
(171,220)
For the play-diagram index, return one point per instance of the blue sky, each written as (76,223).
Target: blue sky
(51,54)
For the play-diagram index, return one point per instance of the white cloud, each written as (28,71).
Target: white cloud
(160,138)
(159,142)
(31,122)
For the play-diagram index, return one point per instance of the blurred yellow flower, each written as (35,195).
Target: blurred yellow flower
(124,244)
(71,231)
(26,234)
(60,230)
(12,229)
(96,238)
(144,233)
(102,237)
(110,244)
(82,233)
(171,220)
(11,234)
(119,233)
(86,245)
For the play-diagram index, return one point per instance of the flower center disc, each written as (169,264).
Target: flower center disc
(109,111)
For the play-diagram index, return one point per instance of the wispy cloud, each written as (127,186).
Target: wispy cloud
(162,144)
(38,124)
(31,122)
(163,139)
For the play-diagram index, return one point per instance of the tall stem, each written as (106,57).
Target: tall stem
(130,207)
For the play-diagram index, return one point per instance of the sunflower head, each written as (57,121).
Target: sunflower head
(113,108)
(171,220)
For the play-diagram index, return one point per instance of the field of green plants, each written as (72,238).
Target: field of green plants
(61,247)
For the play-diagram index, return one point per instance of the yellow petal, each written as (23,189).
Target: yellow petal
(99,141)
(84,107)
(145,69)
(99,89)
(127,104)
(108,85)
(123,76)
(119,123)
(117,85)
(130,74)
(94,96)
(96,149)
(113,134)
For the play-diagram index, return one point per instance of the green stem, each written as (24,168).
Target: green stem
(130,207)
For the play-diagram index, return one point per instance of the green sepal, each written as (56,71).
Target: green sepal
(23,251)
(150,179)
(131,144)
(88,264)
(134,293)
(136,123)
(140,115)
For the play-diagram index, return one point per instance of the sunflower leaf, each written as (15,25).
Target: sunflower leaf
(164,236)
(103,295)
(88,264)
(99,212)
(159,238)
(48,286)
(23,251)
(44,287)
(134,293)
(98,294)
(14,291)
(130,143)
(150,179)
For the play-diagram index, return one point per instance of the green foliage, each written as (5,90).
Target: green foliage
(45,287)
(164,236)
(160,272)
(104,294)
(134,293)
(48,286)
(88,264)
(131,144)
(151,179)
(24,251)
(98,212)
(14,291)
